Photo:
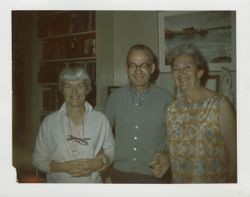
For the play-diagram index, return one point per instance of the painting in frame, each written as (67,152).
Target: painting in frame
(213,32)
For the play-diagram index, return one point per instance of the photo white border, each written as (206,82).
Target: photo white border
(9,187)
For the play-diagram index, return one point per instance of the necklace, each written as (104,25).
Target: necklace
(76,135)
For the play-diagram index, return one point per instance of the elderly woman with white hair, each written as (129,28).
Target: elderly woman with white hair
(74,143)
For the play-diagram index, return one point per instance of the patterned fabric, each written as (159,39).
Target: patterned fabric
(196,146)
(138,98)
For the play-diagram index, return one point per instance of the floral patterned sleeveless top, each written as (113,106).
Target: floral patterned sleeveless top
(196,146)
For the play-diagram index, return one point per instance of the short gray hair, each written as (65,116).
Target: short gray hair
(195,53)
(74,73)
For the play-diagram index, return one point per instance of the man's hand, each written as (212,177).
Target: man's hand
(160,164)
(105,161)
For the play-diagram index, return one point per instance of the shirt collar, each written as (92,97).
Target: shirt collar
(141,93)
(138,98)
(87,105)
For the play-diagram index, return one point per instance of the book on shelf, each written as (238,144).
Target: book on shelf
(67,22)
(91,69)
(49,72)
(47,95)
(68,39)
(91,21)
(69,47)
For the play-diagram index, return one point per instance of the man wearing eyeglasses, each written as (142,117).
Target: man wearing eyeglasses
(136,111)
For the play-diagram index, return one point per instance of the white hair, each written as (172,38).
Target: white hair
(74,73)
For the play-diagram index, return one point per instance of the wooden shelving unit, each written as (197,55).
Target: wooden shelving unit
(68,38)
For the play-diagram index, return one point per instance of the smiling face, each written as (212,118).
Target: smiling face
(139,69)
(186,74)
(74,93)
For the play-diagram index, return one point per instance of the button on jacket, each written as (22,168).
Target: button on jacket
(138,133)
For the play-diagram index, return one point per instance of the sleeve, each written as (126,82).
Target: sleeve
(40,155)
(169,98)
(109,145)
(163,145)
(167,120)
(110,110)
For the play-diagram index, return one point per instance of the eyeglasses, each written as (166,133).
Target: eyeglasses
(82,141)
(143,66)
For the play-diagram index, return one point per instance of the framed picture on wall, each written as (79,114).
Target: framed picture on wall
(213,32)
(213,83)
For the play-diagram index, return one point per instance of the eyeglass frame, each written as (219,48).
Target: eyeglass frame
(143,66)
(82,141)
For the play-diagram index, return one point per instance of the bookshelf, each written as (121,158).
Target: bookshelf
(68,38)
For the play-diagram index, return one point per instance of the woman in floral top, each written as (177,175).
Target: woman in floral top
(201,125)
